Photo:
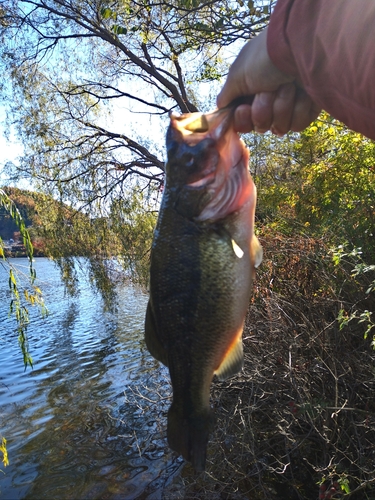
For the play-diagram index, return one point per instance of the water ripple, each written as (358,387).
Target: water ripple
(86,421)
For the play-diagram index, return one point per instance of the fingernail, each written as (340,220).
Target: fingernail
(276,132)
(259,130)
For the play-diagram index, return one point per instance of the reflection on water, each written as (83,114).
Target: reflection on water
(89,420)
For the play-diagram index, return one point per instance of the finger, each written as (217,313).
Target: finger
(283,107)
(242,119)
(262,111)
(305,111)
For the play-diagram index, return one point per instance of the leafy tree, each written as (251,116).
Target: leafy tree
(319,182)
(75,67)
(83,78)
(70,60)
(338,191)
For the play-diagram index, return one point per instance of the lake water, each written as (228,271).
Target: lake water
(89,420)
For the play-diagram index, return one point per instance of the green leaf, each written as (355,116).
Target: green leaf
(119,30)
(106,13)
(344,484)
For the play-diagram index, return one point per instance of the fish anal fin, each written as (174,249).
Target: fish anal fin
(153,343)
(233,360)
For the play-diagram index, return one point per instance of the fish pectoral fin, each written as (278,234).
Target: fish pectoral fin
(153,343)
(237,249)
(233,361)
(256,251)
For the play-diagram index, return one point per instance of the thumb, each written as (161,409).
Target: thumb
(236,84)
(252,72)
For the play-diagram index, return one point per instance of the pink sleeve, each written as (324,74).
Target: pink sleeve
(329,46)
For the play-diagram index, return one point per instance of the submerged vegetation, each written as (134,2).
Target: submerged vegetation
(299,422)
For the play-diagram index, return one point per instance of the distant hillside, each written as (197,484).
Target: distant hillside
(27,203)
(56,230)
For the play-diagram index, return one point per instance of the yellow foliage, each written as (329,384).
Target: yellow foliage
(4,451)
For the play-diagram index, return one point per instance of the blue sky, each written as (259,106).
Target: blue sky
(9,149)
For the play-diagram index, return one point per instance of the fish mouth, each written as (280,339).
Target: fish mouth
(224,179)
(191,125)
(195,127)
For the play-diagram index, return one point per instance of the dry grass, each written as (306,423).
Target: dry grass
(299,422)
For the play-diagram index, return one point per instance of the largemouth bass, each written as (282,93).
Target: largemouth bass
(203,257)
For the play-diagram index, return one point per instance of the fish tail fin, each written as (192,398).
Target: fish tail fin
(188,436)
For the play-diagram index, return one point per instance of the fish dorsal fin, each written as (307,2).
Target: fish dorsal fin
(256,251)
(233,361)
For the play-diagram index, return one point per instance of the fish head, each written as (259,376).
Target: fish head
(207,166)
(192,152)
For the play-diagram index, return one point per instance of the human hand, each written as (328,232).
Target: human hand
(279,105)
